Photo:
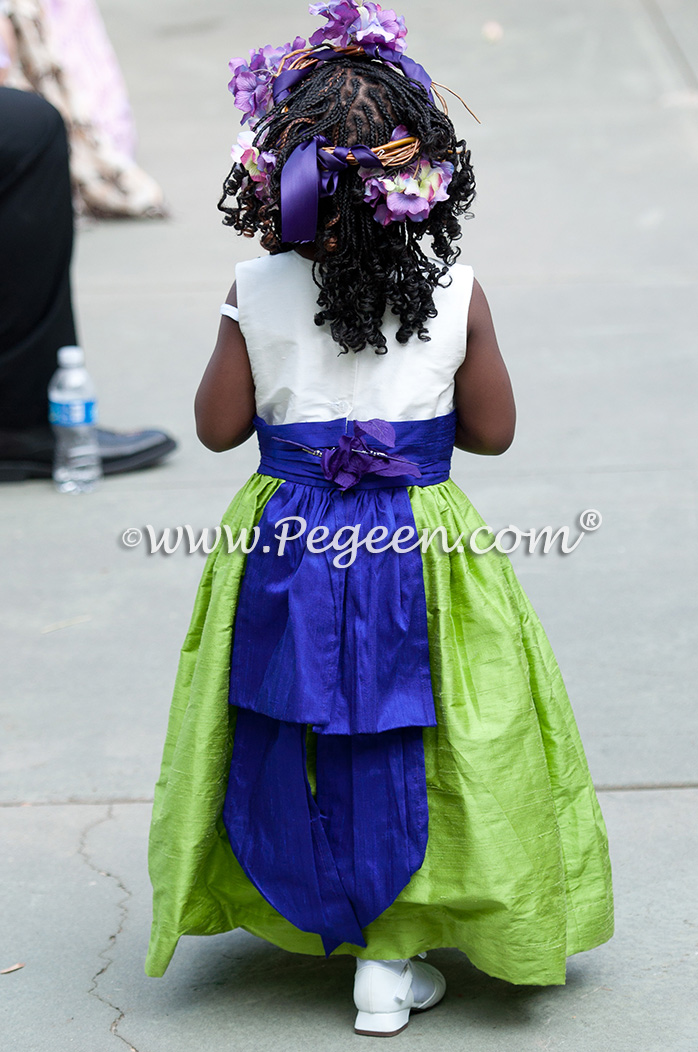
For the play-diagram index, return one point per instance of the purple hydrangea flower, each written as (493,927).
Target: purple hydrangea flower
(381,27)
(251,81)
(251,90)
(408,193)
(257,163)
(352,23)
(340,15)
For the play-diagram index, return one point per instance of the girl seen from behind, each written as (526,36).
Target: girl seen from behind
(370,749)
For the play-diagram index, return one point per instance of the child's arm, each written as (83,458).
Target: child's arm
(484,398)
(224,404)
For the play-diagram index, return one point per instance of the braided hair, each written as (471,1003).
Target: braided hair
(361,267)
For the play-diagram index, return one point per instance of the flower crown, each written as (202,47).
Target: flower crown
(400,182)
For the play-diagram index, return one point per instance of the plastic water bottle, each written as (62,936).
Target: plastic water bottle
(77,466)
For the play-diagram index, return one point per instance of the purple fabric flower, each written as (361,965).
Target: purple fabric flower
(251,81)
(351,459)
(351,23)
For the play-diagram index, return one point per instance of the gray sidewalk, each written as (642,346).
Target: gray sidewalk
(586,242)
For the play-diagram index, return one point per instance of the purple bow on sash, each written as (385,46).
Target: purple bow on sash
(309,174)
(351,459)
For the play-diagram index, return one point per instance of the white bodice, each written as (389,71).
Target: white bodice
(299,374)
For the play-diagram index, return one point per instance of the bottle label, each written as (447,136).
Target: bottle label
(72,414)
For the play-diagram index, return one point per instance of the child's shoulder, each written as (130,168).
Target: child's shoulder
(275,292)
(279,262)
(456,289)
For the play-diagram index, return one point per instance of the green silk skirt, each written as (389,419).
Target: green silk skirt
(516,872)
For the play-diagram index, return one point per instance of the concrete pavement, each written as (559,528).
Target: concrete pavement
(585,241)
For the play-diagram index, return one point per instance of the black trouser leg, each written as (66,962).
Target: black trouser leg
(36,239)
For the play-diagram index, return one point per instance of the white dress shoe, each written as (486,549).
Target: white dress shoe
(385,993)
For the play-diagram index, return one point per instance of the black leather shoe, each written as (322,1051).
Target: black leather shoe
(129,450)
(27,453)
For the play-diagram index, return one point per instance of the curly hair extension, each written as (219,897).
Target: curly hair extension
(361,267)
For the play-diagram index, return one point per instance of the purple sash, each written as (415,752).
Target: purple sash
(344,651)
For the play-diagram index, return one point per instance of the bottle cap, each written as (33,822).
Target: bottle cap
(69,357)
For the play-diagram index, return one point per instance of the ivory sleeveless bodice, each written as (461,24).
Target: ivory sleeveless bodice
(299,374)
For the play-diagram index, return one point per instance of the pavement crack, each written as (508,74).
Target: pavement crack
(106,955)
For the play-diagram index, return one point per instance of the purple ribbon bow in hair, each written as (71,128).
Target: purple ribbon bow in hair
(351,459)
(309,174)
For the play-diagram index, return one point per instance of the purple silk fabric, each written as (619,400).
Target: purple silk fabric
(427,443)
(409,67)
(287,80)
(309,174)
(342,649)
(332,863)
(372,793)
(345,652)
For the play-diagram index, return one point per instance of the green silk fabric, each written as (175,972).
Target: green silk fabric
(516,873)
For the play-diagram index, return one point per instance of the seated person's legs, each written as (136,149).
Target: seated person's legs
(36,315)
